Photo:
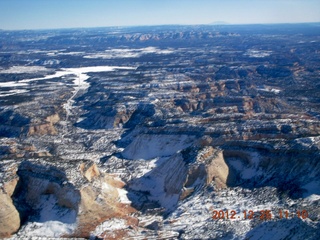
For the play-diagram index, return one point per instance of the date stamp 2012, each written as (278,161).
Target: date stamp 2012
(262,214)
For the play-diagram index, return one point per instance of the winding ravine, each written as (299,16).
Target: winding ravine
(81,84)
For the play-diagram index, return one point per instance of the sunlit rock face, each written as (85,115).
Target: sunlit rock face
(9,216)
(48,199)
(145,132)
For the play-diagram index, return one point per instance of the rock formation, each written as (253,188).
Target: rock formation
(144,132)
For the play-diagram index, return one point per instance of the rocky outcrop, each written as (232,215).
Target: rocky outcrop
(41,183)
(13,149)
(100,202)
(42,192)
(46,127)
(209,166)
(163,184)
(149,146)
(259,164)
(177,177)
(217,170)
(89,172)
(9,216)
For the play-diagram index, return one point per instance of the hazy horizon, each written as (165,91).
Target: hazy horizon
(59,14)
(157,25)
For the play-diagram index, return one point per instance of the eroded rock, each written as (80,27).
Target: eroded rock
(9,216)
(46,127)
(45,193)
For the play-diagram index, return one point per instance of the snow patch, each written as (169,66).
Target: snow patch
(164,182)
(25,69)
(110,225)
(123,196)
(149,146)
(258,53)
(80,73)
(247,170)
(269,89)
(46,229)
(52,221)
(12,92)
(312,187)
(128,53)
(313,197)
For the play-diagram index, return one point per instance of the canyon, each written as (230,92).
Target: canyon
(142,132)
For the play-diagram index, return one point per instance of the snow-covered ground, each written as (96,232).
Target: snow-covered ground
(53,220)
(82,77)
(151,146)
(12,92)
(269,89)
(128,53)
(194,216)
(49,229)
(250,170)
(25,69)
(258,53)
(79,73)
(110,225)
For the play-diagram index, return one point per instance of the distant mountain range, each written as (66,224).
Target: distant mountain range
(219,23)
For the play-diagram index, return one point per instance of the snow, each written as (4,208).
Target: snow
(107,187)
(12,92)
(79,72)
(82,77)
(109,56)
(258,53)
(248,173)
(110,225)
(51,62)
(121,192)
(146,220)
(79,79)
(313,197)
(128,53)
(308,141)
(155,181)
(97,69)
(147,146)
(123,196)
(58,74)
(284,229)
(12,84)
(25,69)
(312,188)
(236,163)
(268,89)
(50,210)
(249,170)
(70,53)
(47,229)
(194,215)
(53,220)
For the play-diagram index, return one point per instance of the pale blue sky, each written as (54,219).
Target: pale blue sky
(46,14)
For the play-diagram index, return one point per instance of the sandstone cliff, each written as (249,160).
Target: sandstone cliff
(9,216)
(39,192)
(46,127)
